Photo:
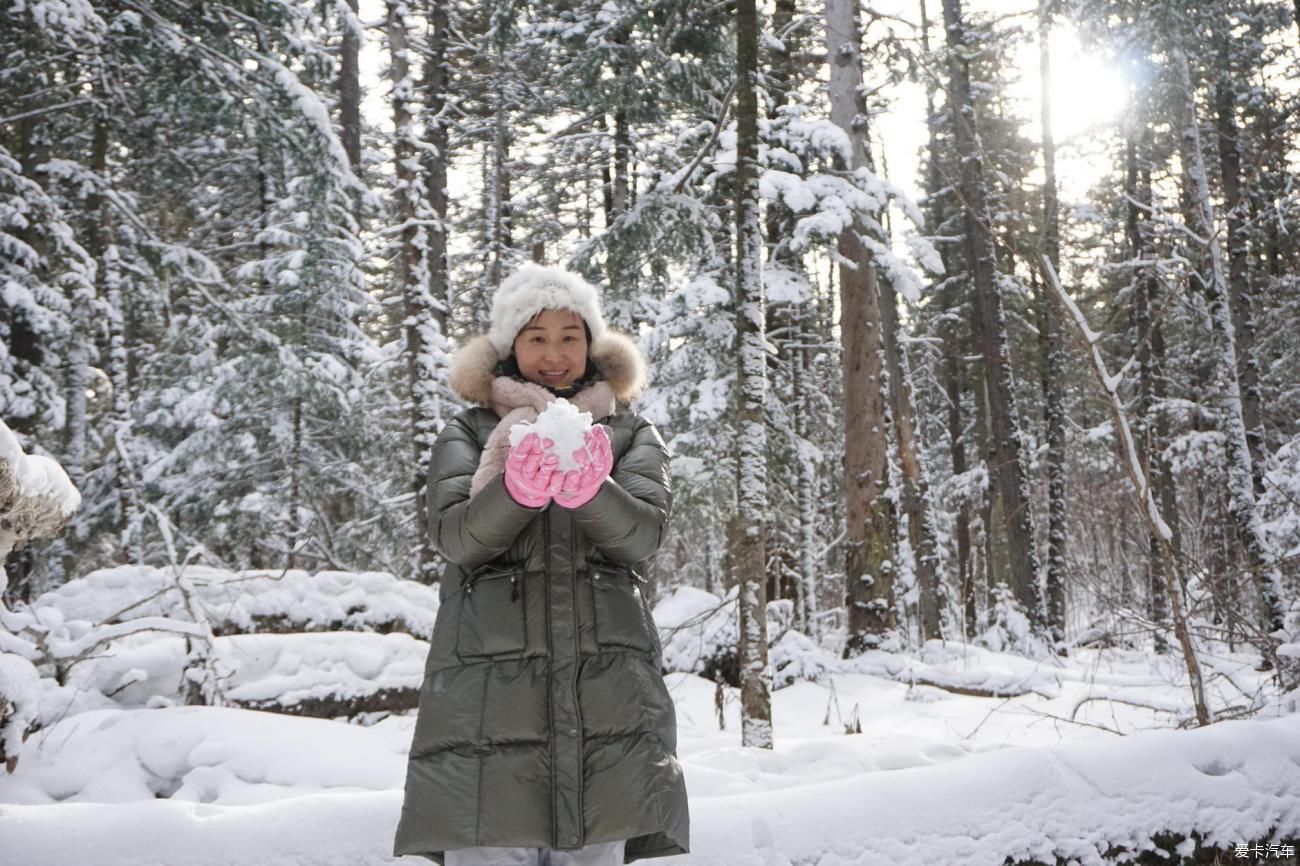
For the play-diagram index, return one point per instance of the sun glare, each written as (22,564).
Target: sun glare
(1088,90)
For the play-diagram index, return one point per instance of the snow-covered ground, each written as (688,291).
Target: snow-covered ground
(1070,759)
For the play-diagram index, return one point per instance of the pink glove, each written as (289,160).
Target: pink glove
(531,478)
(595,460)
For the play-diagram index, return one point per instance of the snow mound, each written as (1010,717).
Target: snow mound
(958,666)
(251,601)
(1230,783)
(203,755)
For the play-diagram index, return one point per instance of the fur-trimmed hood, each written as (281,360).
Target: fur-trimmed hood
(620,362)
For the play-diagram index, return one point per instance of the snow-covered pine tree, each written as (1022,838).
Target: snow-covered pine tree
(254,374)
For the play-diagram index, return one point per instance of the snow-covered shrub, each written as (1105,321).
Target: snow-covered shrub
(1008,628)
(700,635)
(36,500)
(795,657)
(20,687)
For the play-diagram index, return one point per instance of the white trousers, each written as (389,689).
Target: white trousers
(600,854)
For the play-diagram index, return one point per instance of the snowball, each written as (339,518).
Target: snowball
(564,424)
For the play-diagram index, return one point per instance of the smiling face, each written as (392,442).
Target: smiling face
(552,348)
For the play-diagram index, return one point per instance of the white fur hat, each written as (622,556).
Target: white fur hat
(534,288)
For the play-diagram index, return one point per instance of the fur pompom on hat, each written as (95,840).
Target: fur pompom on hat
(534,288)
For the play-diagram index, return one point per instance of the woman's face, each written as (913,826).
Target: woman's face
(552,348)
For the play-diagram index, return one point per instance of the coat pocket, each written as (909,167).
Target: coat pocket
(622,617)
(492,614)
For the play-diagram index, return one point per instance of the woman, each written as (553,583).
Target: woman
(545,734)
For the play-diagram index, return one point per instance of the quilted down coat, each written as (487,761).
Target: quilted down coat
(544,721)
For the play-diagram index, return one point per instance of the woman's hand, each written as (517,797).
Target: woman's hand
(595,460)
(531,479)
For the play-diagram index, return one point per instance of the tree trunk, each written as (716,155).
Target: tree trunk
(1007,481)
(622,156)
(1137,187)
(350,86)
(1239,280)
(950,339)
(806,495)
(606,177)
(792,575)
(916,485)
(869,575)
(750,559)
(497,189)
(1053,366)
(437,157)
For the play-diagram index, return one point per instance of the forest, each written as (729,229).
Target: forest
(949,392)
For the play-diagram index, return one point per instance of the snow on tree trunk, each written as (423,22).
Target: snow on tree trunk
(437,156)
(1240,294)
(868,573)
(1241,490)
(1053,377)
(749,557)
(1008,484)
(496,187)
(126,486)
(424,347)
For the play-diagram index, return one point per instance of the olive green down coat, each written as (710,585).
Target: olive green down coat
(544,721)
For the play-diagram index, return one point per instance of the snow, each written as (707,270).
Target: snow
(20,686)
(38,475)
(938,779)
(200,755)
(953,753)
(562,423)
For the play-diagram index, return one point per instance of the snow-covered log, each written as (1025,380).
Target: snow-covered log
(238,602)
(326,675)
